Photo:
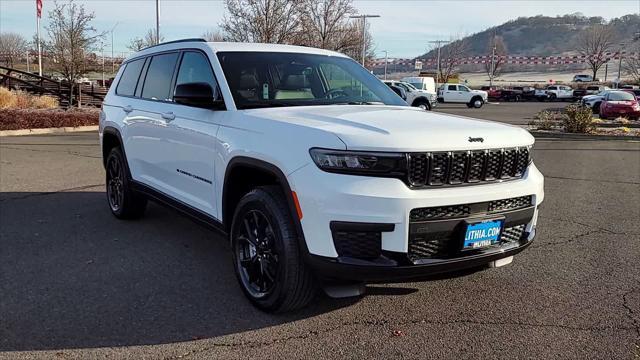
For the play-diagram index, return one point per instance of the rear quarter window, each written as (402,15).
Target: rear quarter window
(129,78)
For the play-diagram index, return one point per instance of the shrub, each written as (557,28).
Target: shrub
(544,120)
(10,99)
(7,98)
(579,119)
(15,119)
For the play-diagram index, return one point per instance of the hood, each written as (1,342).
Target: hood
(590,97)
(399,128)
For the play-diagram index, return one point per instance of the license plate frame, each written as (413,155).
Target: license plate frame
(481,242)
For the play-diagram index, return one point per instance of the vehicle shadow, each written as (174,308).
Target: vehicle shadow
(73,276)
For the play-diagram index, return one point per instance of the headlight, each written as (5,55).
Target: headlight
(360,162)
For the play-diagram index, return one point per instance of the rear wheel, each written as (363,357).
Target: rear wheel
(596,108)
(267,258)
(553,97)
(124,202)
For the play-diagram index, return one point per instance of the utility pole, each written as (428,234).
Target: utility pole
(619,64)
(102,50)
(28,70)
(113,59)
(157,22)
(438,44)
(493,55)
(386,61)
(364,32)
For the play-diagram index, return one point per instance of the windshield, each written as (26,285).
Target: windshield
(411,87)
(621,96)
(267,79)
(416,85)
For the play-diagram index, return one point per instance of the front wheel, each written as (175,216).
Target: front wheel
(476,102)
(422,104)
(267,258)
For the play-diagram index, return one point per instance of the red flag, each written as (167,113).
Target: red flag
(39,8)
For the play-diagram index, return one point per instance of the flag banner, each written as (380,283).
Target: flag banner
(39,8)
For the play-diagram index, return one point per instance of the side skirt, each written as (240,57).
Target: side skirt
(169,201)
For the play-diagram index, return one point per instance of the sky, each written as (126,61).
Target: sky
(403,29)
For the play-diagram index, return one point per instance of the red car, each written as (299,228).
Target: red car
(620,104)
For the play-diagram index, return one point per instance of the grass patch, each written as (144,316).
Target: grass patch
(11,99)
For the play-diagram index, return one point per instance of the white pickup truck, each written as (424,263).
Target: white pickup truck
(457,93)
(555,92)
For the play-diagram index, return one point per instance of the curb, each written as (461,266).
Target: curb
(542,134)
(42,131)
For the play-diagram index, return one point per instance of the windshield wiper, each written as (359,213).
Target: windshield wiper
(266,105)
(359,103)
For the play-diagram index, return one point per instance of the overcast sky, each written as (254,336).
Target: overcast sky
(403,29)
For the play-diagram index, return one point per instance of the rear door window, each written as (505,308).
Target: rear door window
(157,83)
(129,78)
(452,88)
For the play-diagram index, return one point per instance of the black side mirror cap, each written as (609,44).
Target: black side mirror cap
(197,94)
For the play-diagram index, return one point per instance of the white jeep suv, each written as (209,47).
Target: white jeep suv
(319,173)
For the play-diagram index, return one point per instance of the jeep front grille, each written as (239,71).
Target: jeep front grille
(466,167)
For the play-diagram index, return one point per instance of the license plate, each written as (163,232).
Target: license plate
(482,234)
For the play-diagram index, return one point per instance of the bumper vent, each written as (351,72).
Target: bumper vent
(464,210)
(466,167)
(438,246)
(358,240)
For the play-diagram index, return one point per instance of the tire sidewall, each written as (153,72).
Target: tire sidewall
(280,223)
(116,153)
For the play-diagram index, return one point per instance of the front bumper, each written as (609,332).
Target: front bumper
(327,198)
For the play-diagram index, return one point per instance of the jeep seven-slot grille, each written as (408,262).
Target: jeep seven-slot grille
(464,167)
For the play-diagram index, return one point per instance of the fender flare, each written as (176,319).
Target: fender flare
(282,181)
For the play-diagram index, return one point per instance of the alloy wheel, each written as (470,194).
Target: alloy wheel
(256,254)
(115,191)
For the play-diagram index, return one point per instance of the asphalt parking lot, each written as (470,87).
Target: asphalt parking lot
(77,283)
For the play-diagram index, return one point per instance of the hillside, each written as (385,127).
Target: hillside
(546,36)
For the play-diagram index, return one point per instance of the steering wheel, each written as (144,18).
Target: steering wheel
(335,93)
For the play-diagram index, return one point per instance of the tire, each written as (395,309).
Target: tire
(553,97)
(271,272)
(476,102)
(123,201)
(596,108)
(518,98)
(422,104)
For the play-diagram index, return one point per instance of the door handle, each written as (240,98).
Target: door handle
(168,116)
(127,109)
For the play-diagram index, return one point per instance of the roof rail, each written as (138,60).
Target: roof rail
(176,41)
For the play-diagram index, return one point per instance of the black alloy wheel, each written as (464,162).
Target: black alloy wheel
(256,254)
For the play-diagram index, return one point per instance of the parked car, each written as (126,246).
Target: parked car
(414,96)
(526,93)
(583,78)
(317,172)
(589,90)
(620,104)
(554,93)
(458,93)
(594,101)
(493,92)
(425,83)
(630,87)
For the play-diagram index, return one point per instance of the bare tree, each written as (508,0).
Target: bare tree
(495,69)
(265,21)
(71,38)
(593,43)
(631,64)
(450,56)
(324,24)
(137,44)
(213,36)
(12,47)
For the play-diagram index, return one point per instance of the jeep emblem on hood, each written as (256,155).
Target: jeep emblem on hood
(476,139)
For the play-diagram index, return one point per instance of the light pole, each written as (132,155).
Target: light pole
(157,22)
(386,58)
(113,64)
(364,32)
(438,43)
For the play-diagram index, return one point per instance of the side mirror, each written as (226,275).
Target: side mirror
(197,94)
